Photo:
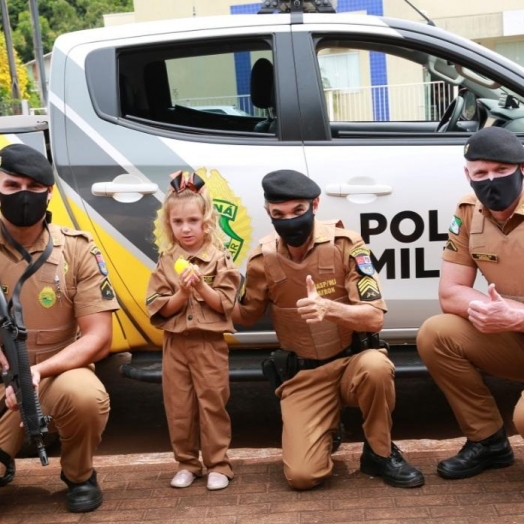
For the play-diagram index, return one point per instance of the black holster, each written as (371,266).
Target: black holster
(366,340)
(280,366)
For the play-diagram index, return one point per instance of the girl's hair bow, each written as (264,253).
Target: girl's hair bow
(192,182)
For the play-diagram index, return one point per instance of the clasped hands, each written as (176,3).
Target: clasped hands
(190,278)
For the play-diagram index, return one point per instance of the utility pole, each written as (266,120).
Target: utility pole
(39,55)
(15,86)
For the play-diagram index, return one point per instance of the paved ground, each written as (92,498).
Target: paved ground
(136,489)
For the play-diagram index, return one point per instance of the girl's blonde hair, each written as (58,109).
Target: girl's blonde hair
(164,237)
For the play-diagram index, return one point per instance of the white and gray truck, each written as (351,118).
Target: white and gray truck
(375,110)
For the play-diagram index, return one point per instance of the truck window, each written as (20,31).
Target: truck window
(218,87)
(385,89)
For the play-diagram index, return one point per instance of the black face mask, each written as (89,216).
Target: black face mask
(498,194)
(24,208)
(295,231)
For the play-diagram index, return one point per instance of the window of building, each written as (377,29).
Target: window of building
(512,50)
(340,70)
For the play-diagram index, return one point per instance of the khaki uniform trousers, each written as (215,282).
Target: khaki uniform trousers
(195,384)
(311,405)
(454,351)
(79,405)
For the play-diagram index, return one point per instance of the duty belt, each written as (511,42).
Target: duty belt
(284,365)
(311,363)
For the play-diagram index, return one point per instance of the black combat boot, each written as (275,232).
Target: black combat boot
(475,457)
(10,468)
(394,470)
(338,437)
(84,496)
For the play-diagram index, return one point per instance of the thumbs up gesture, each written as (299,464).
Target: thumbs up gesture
(313,308)
(493,315)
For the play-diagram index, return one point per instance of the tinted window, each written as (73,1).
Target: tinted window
(198,88)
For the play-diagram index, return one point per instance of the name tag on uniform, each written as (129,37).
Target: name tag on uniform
(485,257)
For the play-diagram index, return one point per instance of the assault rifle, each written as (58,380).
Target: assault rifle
(18,376)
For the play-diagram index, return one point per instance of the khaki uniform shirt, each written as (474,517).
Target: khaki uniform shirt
(353,276)
(218,272)
(72,283)
(478,241)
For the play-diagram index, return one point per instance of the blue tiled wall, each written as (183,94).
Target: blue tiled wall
(242,60)
(246,9)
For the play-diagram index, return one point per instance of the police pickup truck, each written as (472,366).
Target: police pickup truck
(375,110)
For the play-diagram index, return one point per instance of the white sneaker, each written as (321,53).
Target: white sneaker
(183,479)
(217,481)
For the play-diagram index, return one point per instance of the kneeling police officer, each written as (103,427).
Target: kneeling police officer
(68,302)
(323,292)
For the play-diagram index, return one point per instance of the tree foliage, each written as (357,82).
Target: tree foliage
(5,75)
(58,17)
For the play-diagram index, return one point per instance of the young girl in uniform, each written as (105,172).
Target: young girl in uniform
(191,294)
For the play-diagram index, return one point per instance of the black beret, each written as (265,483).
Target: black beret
(286,184)
(22,160)
(495,144)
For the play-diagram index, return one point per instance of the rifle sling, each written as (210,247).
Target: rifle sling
(32,268)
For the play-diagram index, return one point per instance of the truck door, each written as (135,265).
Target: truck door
(385,143)
(221,102)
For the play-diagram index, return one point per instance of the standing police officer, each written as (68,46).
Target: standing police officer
(67,310)
(481,331)
(321,287)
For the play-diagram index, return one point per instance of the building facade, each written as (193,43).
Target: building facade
(496,25)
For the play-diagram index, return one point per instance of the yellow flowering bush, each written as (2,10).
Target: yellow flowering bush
(5,76)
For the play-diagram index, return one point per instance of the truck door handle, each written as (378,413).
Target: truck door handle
(111,188)
(124,188)
(357,189)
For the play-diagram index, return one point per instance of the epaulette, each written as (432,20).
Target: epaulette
(469,200)
(76,233)
(347,233)
(332,229)
(257,251)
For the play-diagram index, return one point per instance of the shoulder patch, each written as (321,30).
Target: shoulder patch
(455,225)
(102,266)
(363,260)
(368,289)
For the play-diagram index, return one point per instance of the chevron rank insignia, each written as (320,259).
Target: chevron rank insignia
(107,290)
(368,289)
(152,297)
(451,246)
